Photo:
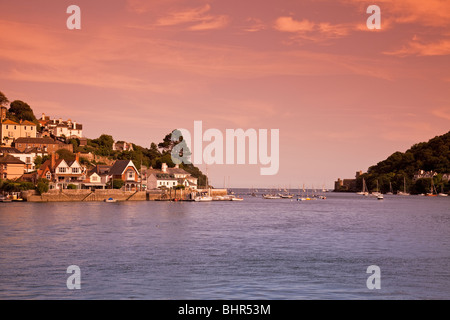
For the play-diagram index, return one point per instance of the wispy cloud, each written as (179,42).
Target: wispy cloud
(439,48)
(197,18)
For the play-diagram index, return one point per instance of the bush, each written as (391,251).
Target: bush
(42,186)
(71,186)
(117,184)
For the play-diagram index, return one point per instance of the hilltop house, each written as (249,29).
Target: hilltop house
(170,178)
(11,167)
(11,130)
(58,127)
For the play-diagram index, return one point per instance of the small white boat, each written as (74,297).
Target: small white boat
(237,199)
(380,197)
(203,199)
(110,200)
(270,196)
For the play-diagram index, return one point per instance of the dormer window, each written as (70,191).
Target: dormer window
(48,176)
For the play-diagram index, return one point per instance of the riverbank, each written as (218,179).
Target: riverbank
(83,195)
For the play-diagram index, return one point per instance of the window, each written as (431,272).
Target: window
(25,127)
(74,170)
(174,183)
(130,174)
(62,170)
(4,175)
(6,126)
(28,160)
(15,127)
(48,175)
(31,129)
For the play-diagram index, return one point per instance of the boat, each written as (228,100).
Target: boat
(203,198)
(380,197)
(110,200)
(404,193)
(442,194)
(432,192)
(390,189)
(271,196)
(5,199)
(286,196)
(237,199)
(376,193)
(365,191)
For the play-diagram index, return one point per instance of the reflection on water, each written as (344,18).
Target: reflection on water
(255,249)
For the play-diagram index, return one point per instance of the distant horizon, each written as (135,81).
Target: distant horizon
(342,95)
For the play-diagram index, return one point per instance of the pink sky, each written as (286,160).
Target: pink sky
(344,97)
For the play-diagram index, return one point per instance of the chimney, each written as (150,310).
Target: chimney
(77,157)
(43,116)
(53,161)
(164,167)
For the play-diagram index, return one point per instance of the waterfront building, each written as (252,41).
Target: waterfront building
(170,178)
(126,171)
(61,173)
(11,167)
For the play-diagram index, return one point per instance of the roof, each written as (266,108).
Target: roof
(10,160)
(9,150)
(37,140)
(119,167)
(28,123)
(8,121)
(100,169)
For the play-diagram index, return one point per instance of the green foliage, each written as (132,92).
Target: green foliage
(66,155)
(42,186)
(3,99)
(15,186)
(71,186)
(432,155)
(117,184)
(21,111)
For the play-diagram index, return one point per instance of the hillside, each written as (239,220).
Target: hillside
(433,155)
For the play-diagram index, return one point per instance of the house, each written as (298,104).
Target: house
(126,171)
(11,168)
(122,146)
(28,156)
(11,130)
(97,177)
(47,145)
(61,173)
(170,178)
(59,128)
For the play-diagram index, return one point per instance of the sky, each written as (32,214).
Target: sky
(342,96)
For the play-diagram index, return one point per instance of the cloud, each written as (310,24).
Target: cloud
(439,48)
(197,17)
(443,113)
(288,24)
(305,29)
(255,25)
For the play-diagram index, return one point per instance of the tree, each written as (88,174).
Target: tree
(21,111)
(66,155)
(3,99)
(42,186)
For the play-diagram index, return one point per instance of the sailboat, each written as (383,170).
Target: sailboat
(376,193)
(404,193)
(364,191)
(432,192)
(390,189)
(204,197)
(442,194)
